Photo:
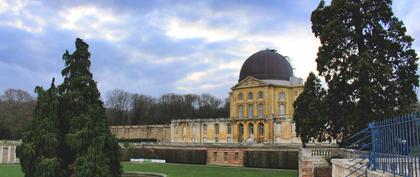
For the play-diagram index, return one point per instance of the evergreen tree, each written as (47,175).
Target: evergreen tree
(309,115)
(89,148)
(367,61)
(69,136)
(38,153)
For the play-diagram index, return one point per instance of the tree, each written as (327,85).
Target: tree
(119,104)
(72,126)
(38,153)
(367,60)
(16,107)
(309,115)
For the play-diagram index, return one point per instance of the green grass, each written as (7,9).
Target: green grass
(180,170)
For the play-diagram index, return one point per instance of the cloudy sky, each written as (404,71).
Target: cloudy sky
(157,47)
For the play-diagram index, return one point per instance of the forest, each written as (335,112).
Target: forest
(122,108)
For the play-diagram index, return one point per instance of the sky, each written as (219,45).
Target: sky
(158,47)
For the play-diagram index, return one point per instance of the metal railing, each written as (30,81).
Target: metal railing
(390,145)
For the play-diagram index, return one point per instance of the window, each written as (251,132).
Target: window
(241,129)
(261,129)
(184,131)
(260,110)
(204,140)
(229,140)
(251,130)
(241,111)
(193,130)
(216,128)
(241,96)
(250,110)
(250,96)
(216,139)
(176,130)
(282,109)
(260,95)
(282,96)
(229,129)
(225,156)
(215,156)
(193,139)
(236,155)
(204,130)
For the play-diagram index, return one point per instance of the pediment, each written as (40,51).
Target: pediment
(249,82)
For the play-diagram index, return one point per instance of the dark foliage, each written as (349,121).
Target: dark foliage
(124,108)
(367,60)
(16,107)
(310,112)
(69,136)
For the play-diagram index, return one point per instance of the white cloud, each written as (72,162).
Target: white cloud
(18,14)
(180,29)
(93,22)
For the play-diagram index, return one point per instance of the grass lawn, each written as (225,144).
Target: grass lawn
(180,170)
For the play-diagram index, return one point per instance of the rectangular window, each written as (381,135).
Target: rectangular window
(250,111)
(229,129)
(282,96)
(240,111)
(216,139)
(282,109)
(260,110)
(236,155)
(225,156)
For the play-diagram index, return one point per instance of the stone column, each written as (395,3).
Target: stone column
(9,154)
(1,154)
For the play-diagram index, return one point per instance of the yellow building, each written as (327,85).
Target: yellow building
(261,106)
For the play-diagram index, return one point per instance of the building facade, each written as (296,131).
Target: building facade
(261,109)
(261,106)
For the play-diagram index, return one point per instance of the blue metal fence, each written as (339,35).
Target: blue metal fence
(395,145)
(390,145)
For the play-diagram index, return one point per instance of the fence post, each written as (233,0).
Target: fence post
(372,161)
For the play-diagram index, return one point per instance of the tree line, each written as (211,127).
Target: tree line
(124,108)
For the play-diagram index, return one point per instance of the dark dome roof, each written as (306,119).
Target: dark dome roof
(266,65)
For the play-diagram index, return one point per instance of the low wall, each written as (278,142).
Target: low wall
(161,133)
(171,155)
(271,159)
(283,157)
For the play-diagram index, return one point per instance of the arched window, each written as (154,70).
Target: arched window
(250,110)
(260,95)
(240,111)
(282,96)
(229,129)
(260,110)
(261,132)
(241,96)
(241,130)
(176,130)
(204,130)
(261,129)
(250,96)
(216,128)
(251,130)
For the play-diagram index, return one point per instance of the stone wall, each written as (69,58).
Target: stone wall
(8,151)
(225,156)
(340,168)
(161,133)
